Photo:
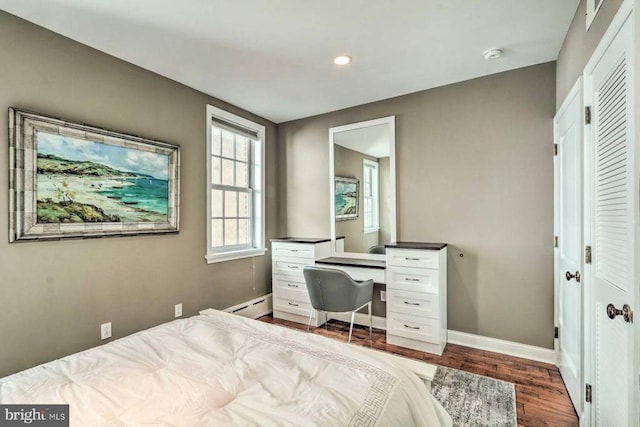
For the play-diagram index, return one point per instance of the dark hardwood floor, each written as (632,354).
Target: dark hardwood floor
(541,396)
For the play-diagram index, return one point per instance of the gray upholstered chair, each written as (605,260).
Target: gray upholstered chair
(377,249)
(334,291)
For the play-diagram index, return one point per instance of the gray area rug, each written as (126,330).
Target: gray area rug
(474,400)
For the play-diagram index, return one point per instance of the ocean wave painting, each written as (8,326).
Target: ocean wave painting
(87,181)
(72,180)
(346,198)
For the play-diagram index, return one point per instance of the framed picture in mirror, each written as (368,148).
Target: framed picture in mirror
(346,198)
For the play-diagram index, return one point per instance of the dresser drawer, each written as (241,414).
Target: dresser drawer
(413,279)
(413,327)
(415,303)
(292,306)
(290,287)
(413,258)
(289,282)
(288,266)
(299,250)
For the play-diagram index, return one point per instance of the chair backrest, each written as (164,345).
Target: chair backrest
(334,290)
(378,249)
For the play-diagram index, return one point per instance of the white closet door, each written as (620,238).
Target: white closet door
(614,216)
(568,126)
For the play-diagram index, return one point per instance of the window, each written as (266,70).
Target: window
(235,186)
(371,196)
(593,6)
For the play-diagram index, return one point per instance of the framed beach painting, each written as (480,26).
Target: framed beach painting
(70,180)
(346,193)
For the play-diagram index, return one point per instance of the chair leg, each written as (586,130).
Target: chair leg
(370,323)
(353,315)
(310,316)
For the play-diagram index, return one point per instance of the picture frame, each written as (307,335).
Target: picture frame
(346,198)
(71,180)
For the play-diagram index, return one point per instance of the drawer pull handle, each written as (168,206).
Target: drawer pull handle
(411,259)
(292,286)
(295,305)
(411,303)
(293,250)
(411,327)
(295,267)
(409,279)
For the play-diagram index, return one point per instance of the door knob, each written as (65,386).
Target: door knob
(626,312)
(570,276)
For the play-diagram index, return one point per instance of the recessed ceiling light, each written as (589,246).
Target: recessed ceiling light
(493,53)
(342,60)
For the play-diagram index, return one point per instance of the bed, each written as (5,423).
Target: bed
(222,369)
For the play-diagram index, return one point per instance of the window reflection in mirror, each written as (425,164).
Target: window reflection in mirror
(363,186)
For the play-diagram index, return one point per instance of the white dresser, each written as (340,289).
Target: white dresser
(416,279)
(288,258)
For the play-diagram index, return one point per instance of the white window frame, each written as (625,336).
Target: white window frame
(375,195)
(257,184)
(593,6)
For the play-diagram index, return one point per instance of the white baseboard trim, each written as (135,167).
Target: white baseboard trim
(253,309)
(361,319)
(510,348)
(262,306)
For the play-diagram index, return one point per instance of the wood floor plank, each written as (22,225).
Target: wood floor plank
(541,397)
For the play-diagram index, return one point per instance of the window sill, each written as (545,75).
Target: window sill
(229,256)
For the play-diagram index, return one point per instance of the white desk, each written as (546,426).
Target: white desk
(415,275)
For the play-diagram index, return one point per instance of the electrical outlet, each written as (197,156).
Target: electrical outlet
(105,331)
(178,310)
(383,296)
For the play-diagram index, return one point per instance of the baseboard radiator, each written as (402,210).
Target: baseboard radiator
(253,309)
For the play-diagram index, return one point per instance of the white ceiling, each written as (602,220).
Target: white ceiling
(371,140)
(274,58)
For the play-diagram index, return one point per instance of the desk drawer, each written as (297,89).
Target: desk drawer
(291,306)
(413,279)
(413,327)
(413,258)
(289,266)
(414,303)
(300,250)
(359,273)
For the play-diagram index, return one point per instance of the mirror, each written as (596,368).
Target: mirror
(363,187)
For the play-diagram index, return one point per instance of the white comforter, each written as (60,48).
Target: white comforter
(221,369)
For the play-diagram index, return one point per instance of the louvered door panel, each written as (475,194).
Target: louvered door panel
(613,209)
(613,230)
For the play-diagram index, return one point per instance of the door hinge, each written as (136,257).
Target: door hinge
(555,241)
(556,333)
(588,393)
(587,254)
(555,149)
(587,115)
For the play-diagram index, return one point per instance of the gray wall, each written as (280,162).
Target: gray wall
(54,295)
(348,163)
(475,170)
(579,45)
